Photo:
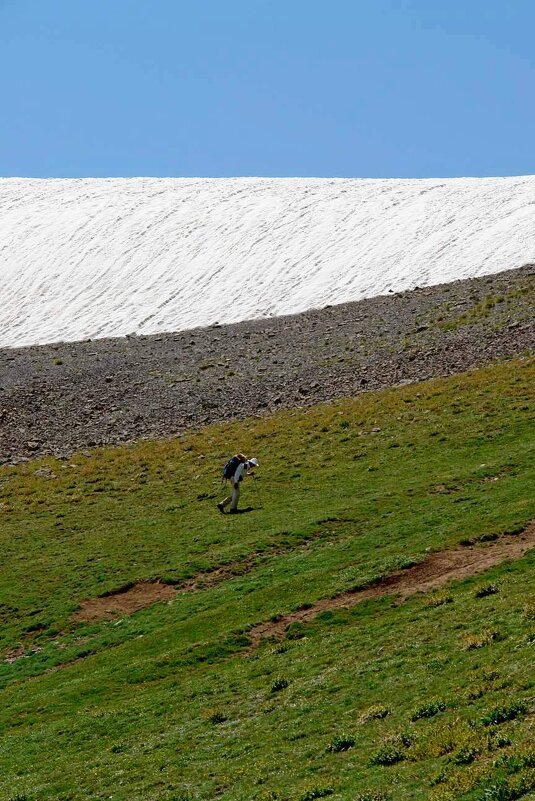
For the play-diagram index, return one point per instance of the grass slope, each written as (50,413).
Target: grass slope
(430,699)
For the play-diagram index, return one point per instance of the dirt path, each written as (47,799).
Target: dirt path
(434,571)
(123,602)
(129,599)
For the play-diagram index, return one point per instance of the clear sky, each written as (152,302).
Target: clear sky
(356,88)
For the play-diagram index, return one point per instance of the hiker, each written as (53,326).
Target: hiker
(235,470)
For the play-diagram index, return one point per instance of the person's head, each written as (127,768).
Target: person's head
(252,462)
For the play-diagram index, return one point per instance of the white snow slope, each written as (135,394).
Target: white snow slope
(106,257)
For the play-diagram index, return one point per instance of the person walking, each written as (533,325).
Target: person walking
(244,467)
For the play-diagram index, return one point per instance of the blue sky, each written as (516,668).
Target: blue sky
(356,88)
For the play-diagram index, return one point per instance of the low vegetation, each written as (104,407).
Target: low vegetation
(429,699)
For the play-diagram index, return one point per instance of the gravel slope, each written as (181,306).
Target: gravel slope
(55,399)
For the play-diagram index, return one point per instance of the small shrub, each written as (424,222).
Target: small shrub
(341,743)
(502,714)
(465,755)
(217,717)
(516,762)
(479,690)
(490,536)
(489,589)
(402,738)
(490,674)
(428,710)
(467,542)
(367,796)
(472,641)
(375,713)
(440,778)
(500,791)
(282,648)
(496,792)
(387,755)
(278,685)
(515,531)
(296,631)
(316,792)
(497,740)
(439,600)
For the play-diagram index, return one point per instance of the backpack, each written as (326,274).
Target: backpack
(231,467)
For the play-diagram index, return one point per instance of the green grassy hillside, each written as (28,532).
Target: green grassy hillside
(433,698)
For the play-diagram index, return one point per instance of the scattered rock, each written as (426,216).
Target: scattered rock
(147,387)
(45,472)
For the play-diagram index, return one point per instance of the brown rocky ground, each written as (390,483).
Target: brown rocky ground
(55,399)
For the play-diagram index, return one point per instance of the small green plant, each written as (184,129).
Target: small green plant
(516,762)
(488,589)
(371,796)
(502,714)
(496,792)
(341,743)
(439,600)
(375,713)
(489,536)
(403,739)
(217,717)
(316,792)
(428,710)
(278,685)
(387,755)
(497,740)
(440,778)
(465,755)
(473,641)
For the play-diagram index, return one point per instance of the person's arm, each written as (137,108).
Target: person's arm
(238,474)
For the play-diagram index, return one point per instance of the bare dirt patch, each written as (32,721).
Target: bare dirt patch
(433,572)
(142,594)
(123,602)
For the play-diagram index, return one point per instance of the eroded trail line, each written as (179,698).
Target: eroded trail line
(123,602)
(435,571)
(139,595)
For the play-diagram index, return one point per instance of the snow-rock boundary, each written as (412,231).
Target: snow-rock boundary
(92,258)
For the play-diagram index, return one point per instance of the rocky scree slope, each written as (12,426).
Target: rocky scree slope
(55,399)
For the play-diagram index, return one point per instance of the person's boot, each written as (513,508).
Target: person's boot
(233,511)
(221,508)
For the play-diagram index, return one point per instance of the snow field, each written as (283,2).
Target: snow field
(90,258)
